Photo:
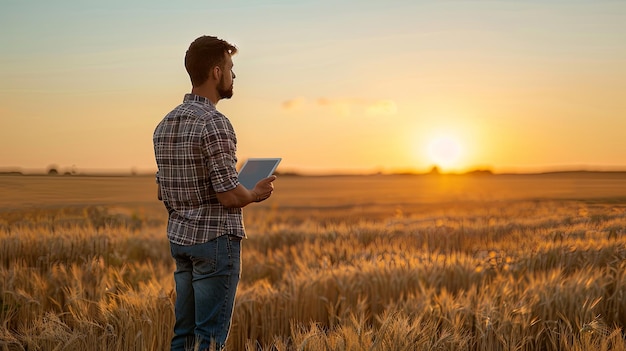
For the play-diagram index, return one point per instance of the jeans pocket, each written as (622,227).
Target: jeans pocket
(205,258)
(204,265)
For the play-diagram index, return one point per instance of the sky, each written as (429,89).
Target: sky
(353,86)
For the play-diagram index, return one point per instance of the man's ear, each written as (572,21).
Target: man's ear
(216,73)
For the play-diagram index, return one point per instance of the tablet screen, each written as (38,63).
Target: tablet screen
(256,169)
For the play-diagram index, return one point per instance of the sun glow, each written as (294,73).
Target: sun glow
(445,151)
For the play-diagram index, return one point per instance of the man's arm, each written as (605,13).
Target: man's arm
(241,196)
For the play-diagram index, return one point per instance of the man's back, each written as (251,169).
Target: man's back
(194,148)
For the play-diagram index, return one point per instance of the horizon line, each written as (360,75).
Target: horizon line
(117,172)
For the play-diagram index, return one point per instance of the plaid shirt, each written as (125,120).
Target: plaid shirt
(194,147)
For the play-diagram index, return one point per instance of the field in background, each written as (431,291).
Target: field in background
(506,262)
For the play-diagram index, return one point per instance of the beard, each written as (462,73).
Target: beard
(224,91)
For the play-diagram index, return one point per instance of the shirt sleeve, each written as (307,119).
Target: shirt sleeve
(221,150)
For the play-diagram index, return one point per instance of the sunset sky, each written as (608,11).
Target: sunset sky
(329,86)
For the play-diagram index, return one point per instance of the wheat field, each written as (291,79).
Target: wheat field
(506,262)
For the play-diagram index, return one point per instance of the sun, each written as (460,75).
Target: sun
(445,151)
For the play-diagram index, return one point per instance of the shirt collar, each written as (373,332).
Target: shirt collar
(197,98)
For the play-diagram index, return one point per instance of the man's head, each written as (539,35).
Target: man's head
(209,59)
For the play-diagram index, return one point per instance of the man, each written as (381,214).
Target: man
(194,147)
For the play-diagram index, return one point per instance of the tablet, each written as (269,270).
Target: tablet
(255,169)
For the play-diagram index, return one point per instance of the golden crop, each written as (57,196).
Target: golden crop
(331,263)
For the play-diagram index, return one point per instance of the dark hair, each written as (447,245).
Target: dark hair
(203,54)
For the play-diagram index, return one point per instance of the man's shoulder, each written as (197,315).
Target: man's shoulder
(189,109)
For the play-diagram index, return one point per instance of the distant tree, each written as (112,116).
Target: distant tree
(52,170)
(481,172)
(435,170)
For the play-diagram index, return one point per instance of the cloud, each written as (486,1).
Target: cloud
(342,107)
(382,107)
(295,104)
(345,106)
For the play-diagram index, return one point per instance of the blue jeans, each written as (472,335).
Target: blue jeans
(206,280)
